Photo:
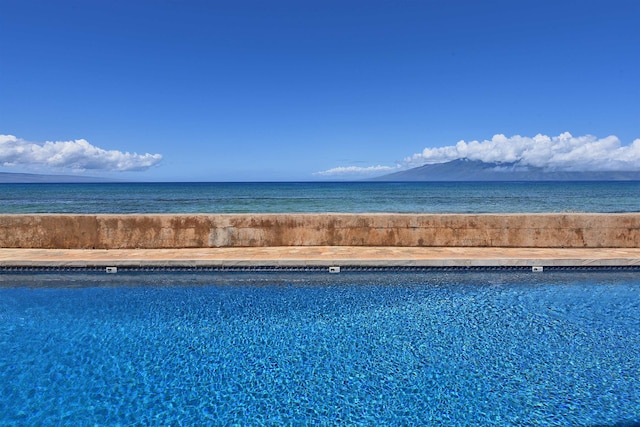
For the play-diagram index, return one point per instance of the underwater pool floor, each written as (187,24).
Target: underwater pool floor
(435,348)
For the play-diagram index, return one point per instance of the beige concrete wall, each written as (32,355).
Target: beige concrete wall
(52,231)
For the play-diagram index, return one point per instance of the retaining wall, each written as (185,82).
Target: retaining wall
(53,231)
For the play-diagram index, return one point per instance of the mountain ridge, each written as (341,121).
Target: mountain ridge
(476,170)
(29,178)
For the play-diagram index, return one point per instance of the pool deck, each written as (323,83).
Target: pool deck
(317,256)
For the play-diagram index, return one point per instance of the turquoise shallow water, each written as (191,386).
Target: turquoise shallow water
(446,348)
(414,197)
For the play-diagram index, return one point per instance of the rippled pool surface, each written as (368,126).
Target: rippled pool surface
(468,348)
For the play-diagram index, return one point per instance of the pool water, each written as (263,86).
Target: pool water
(441,348)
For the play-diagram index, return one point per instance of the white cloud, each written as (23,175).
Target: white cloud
(564,152)
(78,155)
(356,170)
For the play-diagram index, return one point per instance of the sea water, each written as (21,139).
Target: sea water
(445,348)
(408,197)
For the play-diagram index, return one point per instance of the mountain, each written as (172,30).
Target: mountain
(27,178)
(475,170)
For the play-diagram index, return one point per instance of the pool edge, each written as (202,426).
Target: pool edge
(320,257)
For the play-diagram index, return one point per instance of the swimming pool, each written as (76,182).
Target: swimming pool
(406,348)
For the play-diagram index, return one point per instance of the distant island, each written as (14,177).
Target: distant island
(28,178)
(456,170)
(475,170)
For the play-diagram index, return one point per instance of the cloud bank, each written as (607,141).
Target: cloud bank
(564,152)
(78,155)
(559,153)
(357,170)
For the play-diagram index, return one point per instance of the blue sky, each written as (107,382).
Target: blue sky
(239,90)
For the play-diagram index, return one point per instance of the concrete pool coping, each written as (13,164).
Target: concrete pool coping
(321,256)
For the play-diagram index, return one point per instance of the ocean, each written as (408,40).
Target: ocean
(354,197)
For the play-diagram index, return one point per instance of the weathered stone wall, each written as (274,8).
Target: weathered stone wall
(53,231)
